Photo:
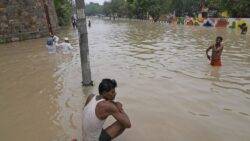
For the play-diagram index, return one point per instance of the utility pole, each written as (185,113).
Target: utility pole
(46,10)
(83,43)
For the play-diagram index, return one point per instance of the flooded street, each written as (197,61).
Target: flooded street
(165,83)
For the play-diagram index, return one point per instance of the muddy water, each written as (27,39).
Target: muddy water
(165,83)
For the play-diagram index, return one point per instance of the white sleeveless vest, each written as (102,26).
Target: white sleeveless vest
(91,125)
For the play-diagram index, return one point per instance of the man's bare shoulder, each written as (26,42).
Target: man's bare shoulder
(105,109)
(107,106)
(89,99)
(91,96)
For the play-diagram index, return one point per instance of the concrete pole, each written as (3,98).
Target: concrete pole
(83,43)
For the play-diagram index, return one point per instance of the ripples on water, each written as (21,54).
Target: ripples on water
(144,52)
(152,49)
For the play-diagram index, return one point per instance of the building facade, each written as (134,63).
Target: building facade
(25,19)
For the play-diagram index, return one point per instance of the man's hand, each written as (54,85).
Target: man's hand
(208,57)
(120,115)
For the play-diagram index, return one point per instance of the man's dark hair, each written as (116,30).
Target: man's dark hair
(106,85)
(219,37)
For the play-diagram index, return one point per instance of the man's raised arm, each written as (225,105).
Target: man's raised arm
(119,115)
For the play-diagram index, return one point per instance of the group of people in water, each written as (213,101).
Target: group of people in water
(54,46)
(99,107)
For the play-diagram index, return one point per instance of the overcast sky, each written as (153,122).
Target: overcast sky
(96,1)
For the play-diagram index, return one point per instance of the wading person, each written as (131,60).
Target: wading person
(52,42)
(65,46)
(89,23)
(243,28)
(98,108)
(217,49)
(74,22)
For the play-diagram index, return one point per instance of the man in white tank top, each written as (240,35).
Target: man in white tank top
(98,108)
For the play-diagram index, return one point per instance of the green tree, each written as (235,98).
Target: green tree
(93,9)
(63,10)
(185,7)
(142,9)
(236,8)
(107,9)
(131,8)
(239,8)
(118,7)
(191,7)
(177,6)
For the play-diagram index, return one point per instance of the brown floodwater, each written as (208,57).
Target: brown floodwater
(165,83)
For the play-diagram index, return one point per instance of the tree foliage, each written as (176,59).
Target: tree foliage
(63,10)
(107,9)
(93,9)
(143,9)
(236,8)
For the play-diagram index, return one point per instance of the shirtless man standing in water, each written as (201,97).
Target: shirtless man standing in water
(98,108)
(217,49)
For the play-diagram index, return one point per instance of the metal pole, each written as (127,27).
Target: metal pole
(46,10)
(83,43)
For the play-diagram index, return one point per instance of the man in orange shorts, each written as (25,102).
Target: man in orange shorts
(217,49)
